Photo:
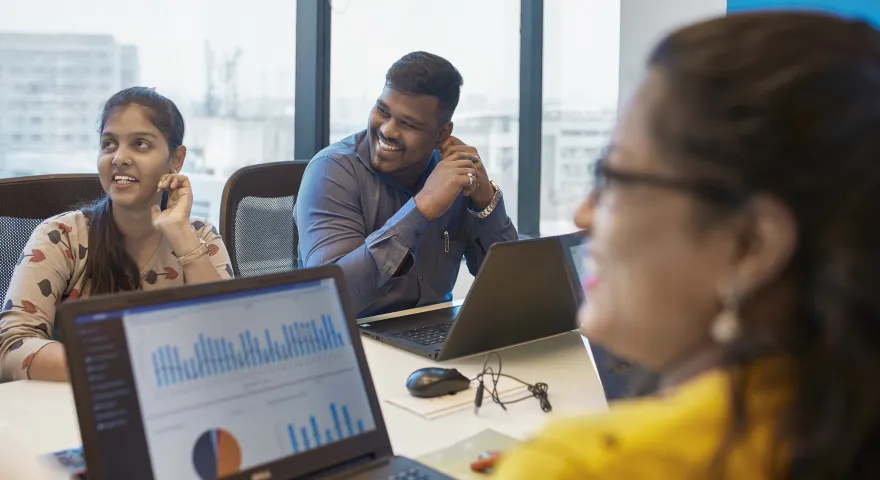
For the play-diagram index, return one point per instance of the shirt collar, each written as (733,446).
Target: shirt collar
(363,154)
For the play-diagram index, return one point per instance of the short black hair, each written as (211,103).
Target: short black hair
(427,74)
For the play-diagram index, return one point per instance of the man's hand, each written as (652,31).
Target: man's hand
(481,192)
(444,185)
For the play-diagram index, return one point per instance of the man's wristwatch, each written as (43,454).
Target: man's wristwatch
(494,203)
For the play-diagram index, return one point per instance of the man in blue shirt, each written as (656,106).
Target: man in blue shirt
(398,204)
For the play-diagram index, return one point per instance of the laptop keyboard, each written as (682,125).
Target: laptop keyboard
(427,335)
(410,474)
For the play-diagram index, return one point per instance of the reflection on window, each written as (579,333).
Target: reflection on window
(231,75)
(581,49)
(488,113)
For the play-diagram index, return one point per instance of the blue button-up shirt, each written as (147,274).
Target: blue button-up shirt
(367,223)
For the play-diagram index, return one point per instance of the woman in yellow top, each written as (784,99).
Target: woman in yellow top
(735,249)
(140,236)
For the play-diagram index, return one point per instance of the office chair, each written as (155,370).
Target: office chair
(256,217)
(26,201)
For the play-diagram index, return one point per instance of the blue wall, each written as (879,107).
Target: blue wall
(865,9)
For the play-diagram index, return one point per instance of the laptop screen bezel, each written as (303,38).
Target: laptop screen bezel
(372,444)
(568,242)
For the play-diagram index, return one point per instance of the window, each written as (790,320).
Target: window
(230,73)
(487,115)
(201,209)
(581,49)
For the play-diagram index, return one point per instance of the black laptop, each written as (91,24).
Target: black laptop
(256,378)
(525,290)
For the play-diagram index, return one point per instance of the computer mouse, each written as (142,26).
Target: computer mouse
(435,382)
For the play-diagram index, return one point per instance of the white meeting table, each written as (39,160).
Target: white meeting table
(39,417)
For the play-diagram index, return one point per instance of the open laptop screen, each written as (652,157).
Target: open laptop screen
(224,383)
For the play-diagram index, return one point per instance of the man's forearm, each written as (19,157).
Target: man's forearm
(376,259)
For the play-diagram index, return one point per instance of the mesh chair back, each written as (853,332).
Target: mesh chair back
(256,218)
(26,201)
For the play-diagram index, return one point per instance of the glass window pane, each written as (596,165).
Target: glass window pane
(229,68)
(581,50)
(481,38)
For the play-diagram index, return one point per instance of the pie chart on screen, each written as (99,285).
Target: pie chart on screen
(216,454)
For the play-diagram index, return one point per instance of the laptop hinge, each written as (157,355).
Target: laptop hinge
(350,467)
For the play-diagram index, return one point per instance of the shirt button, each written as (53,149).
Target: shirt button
(421,278)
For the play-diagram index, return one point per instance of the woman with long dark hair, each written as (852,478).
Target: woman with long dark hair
(735,249)
(140,236)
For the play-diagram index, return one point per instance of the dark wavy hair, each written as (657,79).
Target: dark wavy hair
(787,104)
(109,268)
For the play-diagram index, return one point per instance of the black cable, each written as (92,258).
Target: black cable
(538,390)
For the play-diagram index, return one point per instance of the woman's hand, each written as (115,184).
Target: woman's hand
(180,200)
(486,462)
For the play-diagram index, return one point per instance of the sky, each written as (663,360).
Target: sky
(480,37)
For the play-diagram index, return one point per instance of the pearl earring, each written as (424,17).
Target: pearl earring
(725,326)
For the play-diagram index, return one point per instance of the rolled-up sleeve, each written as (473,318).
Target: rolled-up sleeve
(497,227)
(330,219)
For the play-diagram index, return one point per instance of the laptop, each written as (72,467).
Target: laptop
(525,290)
(254,378)
(620,378)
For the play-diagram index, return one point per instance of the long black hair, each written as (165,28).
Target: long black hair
(788,104)
(109,268)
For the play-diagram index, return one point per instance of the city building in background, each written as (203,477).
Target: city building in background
(572,140)
(233,78)
(51,91)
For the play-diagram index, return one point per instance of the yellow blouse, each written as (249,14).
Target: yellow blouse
(51,271)
(675,436)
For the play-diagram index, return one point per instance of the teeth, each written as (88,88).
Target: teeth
(386,146)
(122,179)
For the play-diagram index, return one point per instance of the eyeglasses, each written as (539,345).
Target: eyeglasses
(604,176)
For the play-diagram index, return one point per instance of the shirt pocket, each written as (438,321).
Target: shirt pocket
(441,276)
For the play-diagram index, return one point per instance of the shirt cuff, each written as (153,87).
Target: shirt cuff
(496,220)
(399,236)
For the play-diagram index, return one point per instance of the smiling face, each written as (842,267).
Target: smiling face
(404,130)
(653,286)
(133,158)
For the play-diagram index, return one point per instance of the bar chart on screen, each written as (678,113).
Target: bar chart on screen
(230,358)
(218,355)
(331,424)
